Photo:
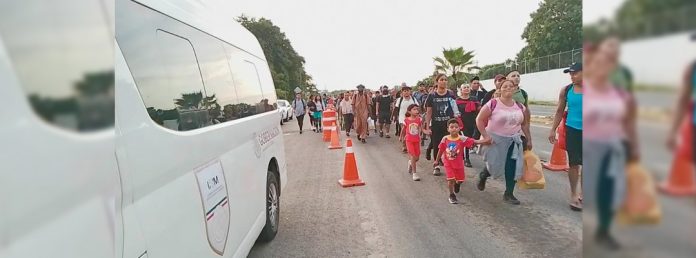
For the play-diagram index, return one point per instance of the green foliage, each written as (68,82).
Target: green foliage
(556,26)
(645,18)
(456,63)
(287,66)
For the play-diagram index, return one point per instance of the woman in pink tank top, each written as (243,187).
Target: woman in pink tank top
(609,137)
(501,122)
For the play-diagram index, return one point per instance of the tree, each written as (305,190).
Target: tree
(287,66)
(190,100)
(455,63)
(556,26)
(637,18)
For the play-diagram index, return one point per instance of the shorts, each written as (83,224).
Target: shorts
(385,119)
(316,114)
(413,148)
(455,174)
(574,146)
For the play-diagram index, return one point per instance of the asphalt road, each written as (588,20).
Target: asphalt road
(671,238)
(393,216)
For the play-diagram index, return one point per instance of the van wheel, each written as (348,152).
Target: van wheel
(272,208)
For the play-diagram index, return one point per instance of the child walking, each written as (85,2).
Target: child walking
(451,149)
(410,134)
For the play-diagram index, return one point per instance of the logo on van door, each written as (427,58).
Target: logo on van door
(264,138)
(216,210)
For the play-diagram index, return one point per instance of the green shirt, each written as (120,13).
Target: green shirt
(622,78)
(520,96)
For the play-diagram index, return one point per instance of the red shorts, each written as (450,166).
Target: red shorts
(455,174)
(413,148)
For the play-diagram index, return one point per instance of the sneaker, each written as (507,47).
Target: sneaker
(483,176)
(607,241)
(436,171)
(300,131)
(381,134)
(452,199)
(415,177)
(467,163)
(427,155)
(457,186)
(387,136)
(509,198)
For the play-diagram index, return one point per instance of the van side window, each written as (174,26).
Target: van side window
(62,56)
(174,94)
(219,85)
(246,81)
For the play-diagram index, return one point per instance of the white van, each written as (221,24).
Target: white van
(199,146)
(188,161)
(59,184)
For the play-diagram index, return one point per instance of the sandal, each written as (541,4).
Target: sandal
(575,206)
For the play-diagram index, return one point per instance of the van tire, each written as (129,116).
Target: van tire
(270,230)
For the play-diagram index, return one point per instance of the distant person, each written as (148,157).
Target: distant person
(410,135)
(419,92)
(469,107)
(384,112)
(609,139)
(520,96)
(320,107)
(400,109)
(501,122)
(300,108)
(440,108)
(346,108)
(498,80)
(373,109)
(477,89)
(451,149)
(312,107)
(571,97)
(361,105)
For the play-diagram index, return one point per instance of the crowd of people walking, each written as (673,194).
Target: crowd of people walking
(453,123)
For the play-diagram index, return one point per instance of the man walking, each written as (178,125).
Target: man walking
(477,89)
(300,109)
(401,107)
(361,109)
(571,97)
(384,111)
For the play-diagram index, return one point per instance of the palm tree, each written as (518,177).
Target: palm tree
(189,100)
(455,63)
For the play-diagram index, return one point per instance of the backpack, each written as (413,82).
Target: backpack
(494,102)
(294,103)
(398,106)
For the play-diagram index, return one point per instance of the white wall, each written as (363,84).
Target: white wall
(540,86)
(661,60)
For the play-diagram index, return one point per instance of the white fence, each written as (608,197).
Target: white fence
(543,86)
(660,60)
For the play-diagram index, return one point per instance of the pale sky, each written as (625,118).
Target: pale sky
(376,42)
(594,10)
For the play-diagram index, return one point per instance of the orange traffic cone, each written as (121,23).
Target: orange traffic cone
(335,139)
(350,168)
(681,180)
(559,159)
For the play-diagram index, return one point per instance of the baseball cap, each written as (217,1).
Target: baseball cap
(575,67)
(498,77)
(361,86)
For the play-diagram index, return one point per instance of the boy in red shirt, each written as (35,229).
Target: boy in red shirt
(451,149)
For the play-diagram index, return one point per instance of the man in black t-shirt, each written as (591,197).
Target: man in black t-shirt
(384,111)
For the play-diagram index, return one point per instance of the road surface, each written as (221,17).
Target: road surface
(392,216)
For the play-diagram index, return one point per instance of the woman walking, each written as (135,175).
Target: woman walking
(440,108)
(346,108)
(469,107)
(320,107)
(609,136)
(501,123)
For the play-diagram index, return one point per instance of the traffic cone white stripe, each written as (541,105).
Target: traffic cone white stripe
(349,150)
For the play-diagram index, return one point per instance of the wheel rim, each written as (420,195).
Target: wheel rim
(273,205)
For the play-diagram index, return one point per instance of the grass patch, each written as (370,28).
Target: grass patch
(542,103)
(654,88)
